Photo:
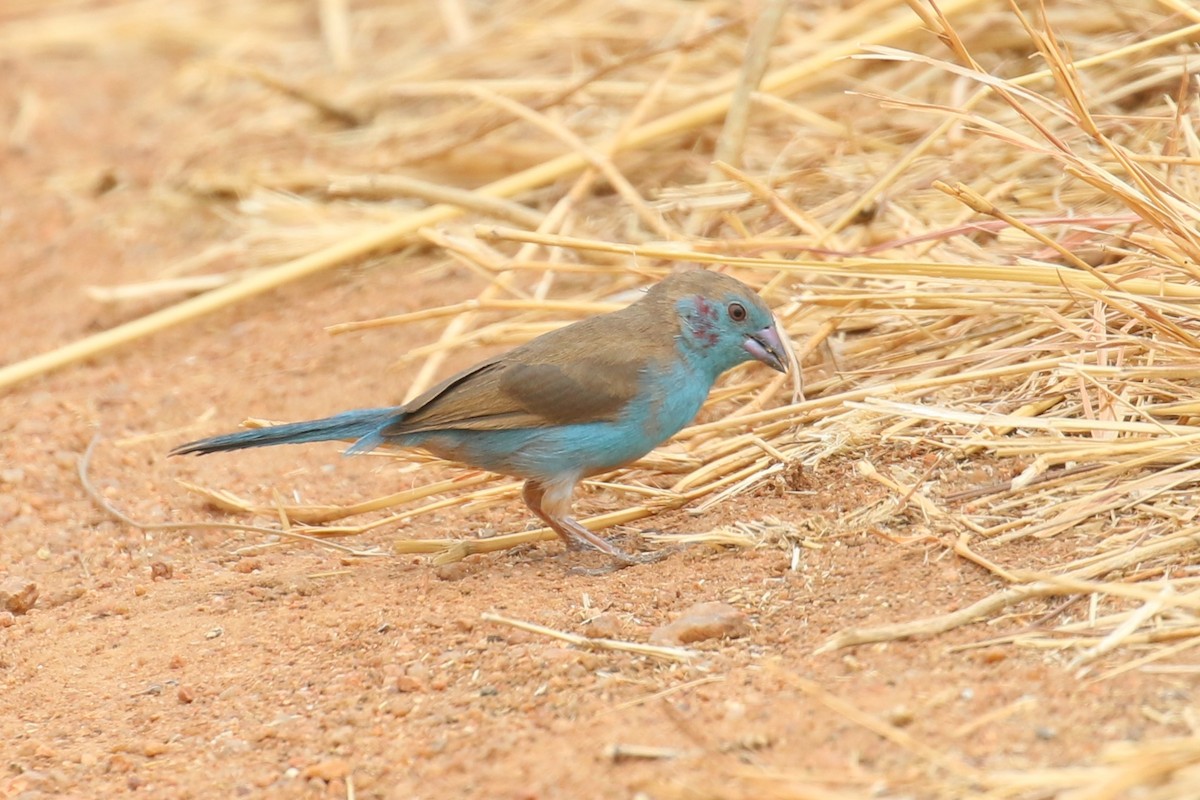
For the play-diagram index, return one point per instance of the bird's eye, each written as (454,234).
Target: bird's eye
(737,312)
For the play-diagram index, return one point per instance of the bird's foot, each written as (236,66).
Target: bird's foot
(578,539)
(619,559)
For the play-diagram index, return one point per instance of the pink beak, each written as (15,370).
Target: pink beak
(766,347)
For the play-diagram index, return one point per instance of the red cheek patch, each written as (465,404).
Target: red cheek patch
(704,326)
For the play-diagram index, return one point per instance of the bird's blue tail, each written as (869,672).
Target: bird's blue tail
(363,425)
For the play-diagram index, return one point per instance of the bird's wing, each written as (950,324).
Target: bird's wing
(530,387)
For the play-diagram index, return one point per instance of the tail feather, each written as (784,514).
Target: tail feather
(362,425)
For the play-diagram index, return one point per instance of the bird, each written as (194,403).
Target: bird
(579,400)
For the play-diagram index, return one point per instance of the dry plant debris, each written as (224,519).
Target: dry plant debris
(988,250)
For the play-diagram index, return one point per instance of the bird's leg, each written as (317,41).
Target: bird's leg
(552,504)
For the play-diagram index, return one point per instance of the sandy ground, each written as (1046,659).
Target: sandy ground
(183,665)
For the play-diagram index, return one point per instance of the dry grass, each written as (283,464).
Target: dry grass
(987,248)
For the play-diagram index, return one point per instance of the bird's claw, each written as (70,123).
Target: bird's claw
(620,560)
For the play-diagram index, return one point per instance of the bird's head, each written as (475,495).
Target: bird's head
(722,321)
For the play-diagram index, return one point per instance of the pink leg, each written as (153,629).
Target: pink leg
(552,504)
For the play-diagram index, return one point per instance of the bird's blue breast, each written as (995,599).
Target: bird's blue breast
(668,399)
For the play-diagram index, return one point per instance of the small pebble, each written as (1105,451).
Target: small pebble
(327,770)
(247,565)
(900,716)
(714,620)
(119,763)
(455,570)
(604,626)
(406,684)
(17,594)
